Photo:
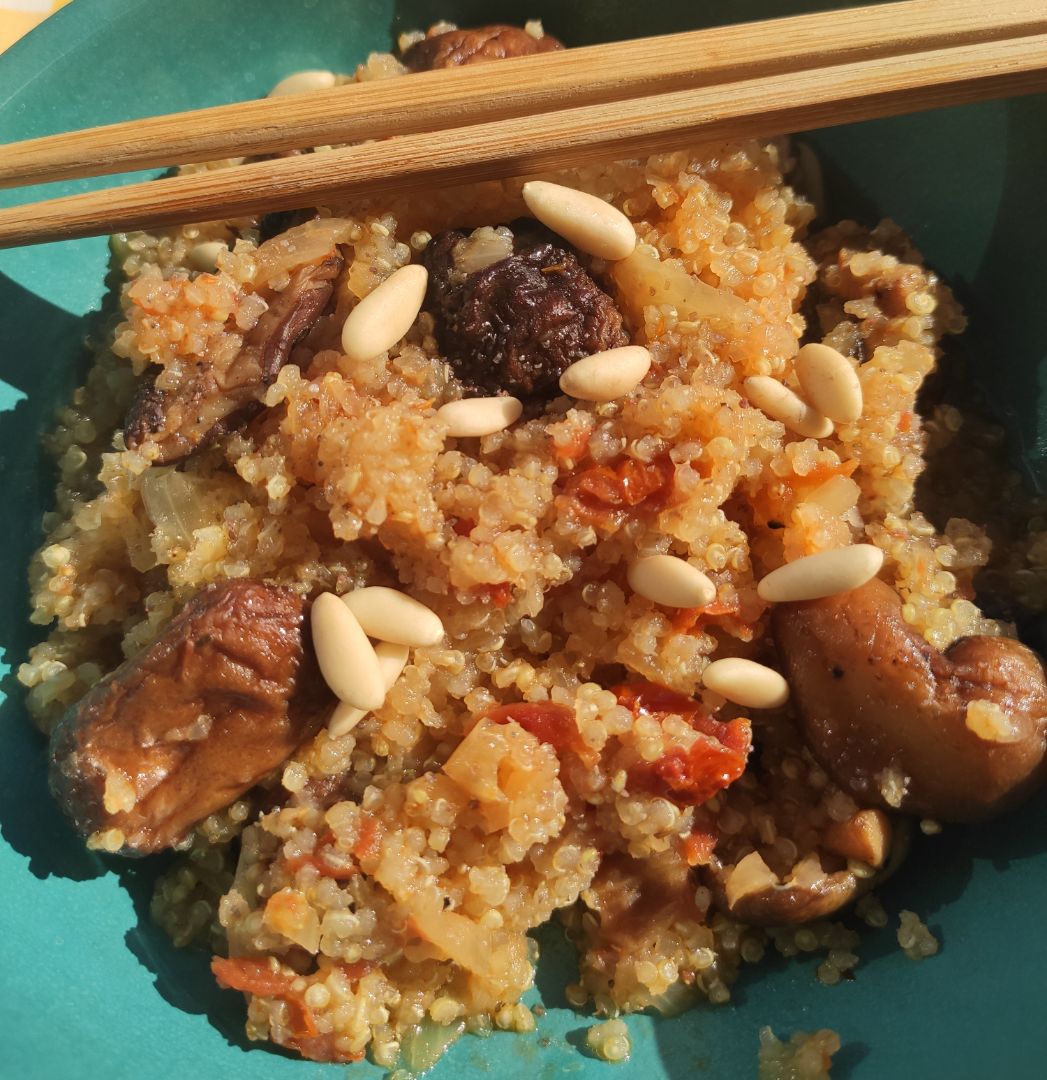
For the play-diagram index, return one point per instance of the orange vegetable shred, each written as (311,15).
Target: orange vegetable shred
(369,841)
(499,594)
(320,864)
(686,619)
(256,977)
(250,976)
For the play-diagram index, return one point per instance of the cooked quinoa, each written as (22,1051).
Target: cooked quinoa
(915,937)
(380,887)
(609,1040)
(803,1057)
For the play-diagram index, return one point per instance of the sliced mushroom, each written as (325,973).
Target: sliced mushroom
(207,403)
(957,736)
(790,846)
(753,893)
(864,837)
(226,693)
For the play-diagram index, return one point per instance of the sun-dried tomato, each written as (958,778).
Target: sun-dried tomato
(355,971)
(687,777)
(642,696)
(603,494)
(547,721)
(322,1048)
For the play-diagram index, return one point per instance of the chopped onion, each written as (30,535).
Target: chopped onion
(424,1044)
(482,248)
(677,999)
(172,502)
(644,279)
(300,246)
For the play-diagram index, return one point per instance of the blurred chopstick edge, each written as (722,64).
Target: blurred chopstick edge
(825,97)
(520,87)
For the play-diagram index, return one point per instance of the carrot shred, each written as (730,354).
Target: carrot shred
(256,977)
(316,860)
(575,449)
(821,473)
(697,848)
(686,619)
(369,842)
(499,594)
(250,976)
(303,1023)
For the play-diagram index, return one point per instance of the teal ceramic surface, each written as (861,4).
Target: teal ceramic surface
(91,989)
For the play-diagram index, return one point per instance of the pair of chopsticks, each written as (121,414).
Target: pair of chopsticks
(529,114)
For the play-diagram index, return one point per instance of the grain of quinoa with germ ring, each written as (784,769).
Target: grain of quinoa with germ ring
(539,585)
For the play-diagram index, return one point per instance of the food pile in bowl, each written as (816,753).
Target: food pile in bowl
(424,568)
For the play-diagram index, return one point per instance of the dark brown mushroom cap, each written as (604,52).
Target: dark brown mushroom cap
(454,48)
(516,325)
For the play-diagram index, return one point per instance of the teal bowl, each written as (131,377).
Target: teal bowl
(91,988)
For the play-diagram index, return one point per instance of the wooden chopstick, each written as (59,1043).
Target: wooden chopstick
(764,106)
(521,87)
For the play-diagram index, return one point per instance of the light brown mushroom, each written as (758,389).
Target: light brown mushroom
(754,894)
(956,736)
(852,857)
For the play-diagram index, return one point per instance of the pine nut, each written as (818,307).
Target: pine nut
(205,256)
(300,81)
(471,417)
(392,659)
(390,615)
(830,383)
(605,376)
(665,579)
(746,683)
(591,224)
(825,574)
(347,659)
(384,315)
(780,403)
